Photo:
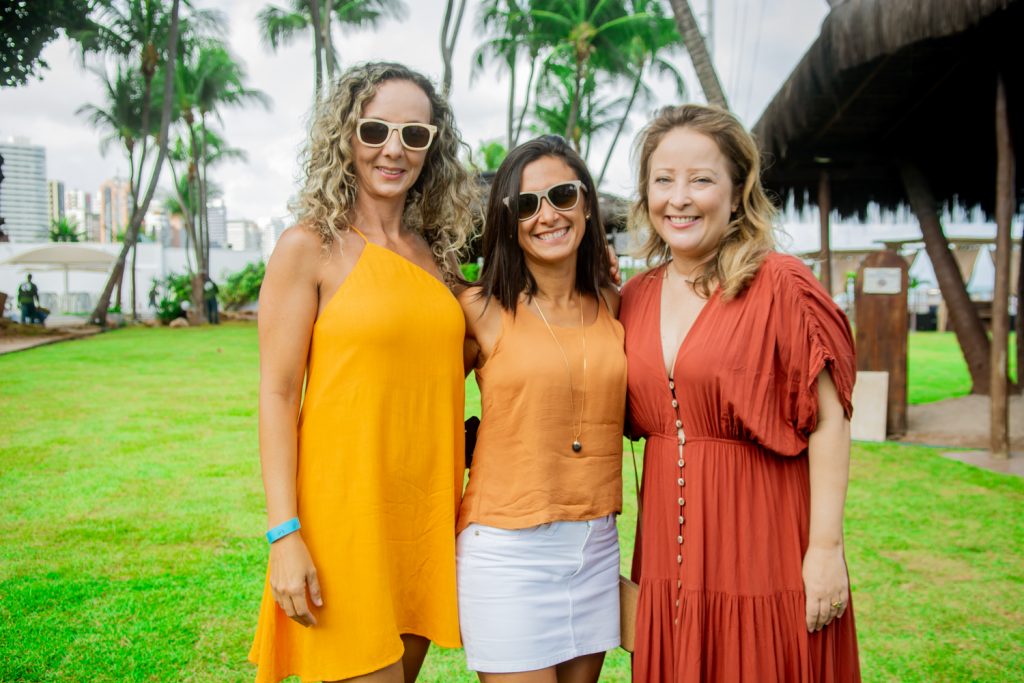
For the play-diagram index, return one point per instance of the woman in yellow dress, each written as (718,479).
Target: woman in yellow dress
(363,469)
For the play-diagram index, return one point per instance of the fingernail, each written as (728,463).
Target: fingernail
(318,602)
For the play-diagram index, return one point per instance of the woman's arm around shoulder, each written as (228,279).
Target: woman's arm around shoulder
(288,307)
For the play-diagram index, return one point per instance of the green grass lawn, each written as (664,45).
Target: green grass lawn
(132,522)
(936,369)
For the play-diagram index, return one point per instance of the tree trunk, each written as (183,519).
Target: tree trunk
(1000,428)
(693,40)
(511,105)
(574,108)
(99,314)
(970,333)
(328,41)
(1019,326)
(449,34)
(135,305)
(318,48)
(526,102)
(622,122)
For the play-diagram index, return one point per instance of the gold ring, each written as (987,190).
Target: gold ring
(836,605)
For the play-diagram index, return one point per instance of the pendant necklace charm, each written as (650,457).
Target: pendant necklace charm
(577,430)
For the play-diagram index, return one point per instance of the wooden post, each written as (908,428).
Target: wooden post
(881,296)
(824,209)
(1000,442)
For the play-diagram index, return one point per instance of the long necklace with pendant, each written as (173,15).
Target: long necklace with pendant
(577,446)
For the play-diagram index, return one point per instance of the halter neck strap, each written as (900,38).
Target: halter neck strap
(356,231)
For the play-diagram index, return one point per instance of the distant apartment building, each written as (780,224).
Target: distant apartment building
(115,208)
(24,197)
(55,196)
(158,226)
(271,230)
(243,235)
(78,207)
(217,228)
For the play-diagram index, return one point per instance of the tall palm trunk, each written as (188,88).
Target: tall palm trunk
(526,102)
(511,104)
(970,333)
(693,40)
(574,109)
(449,34)
(637,82)
(318,48)
(99,314)
(328,41)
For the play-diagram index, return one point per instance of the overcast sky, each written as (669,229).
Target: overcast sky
(756,45)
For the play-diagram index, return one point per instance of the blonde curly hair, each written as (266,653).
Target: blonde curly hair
(439,206)
(749,237)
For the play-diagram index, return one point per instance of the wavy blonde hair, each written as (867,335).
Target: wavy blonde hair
(749,237)
(439,206)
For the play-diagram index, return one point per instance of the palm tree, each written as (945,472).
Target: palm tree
(142,34)
(449,34)
(589,36)
(699,55)
(65,230)
(644,52)
(511,30)
(280,25)
(208,79)
(594,115)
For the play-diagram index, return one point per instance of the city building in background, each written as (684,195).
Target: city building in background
(218,225)
(79,208)
(271,229)
(243,235)
(55,200)
(23,193)
(115,209)
(157,226)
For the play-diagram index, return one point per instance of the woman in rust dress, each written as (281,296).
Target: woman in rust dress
(741,369)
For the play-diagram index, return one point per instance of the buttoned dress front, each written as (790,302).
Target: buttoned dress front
(725,492)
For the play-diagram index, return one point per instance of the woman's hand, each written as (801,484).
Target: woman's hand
(291,572)
(826,586)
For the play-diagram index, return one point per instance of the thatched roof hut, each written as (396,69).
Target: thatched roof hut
(898,79)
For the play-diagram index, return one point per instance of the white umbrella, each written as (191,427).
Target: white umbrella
(65,256)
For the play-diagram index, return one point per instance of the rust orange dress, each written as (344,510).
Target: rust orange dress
(379,480)
(725,514)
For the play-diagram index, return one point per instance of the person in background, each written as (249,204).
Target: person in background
(28,300)
(210,290)
(741,370)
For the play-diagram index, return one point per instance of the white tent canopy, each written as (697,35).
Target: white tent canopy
(64,256)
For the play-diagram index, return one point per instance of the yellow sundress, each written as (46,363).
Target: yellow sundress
(380,472)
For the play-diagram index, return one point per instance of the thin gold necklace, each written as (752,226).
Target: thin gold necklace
(577,446)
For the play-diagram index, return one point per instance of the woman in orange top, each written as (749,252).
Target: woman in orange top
(741,369)
(538,554)
(355,301)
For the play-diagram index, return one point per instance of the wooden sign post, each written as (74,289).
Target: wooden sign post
(881,320)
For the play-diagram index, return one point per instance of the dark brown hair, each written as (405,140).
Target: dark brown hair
(504,275)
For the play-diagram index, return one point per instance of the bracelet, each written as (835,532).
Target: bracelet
(283,529)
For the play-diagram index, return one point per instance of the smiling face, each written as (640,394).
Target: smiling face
(551,236)
(390,171)
(690,194)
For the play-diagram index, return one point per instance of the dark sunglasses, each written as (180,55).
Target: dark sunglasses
(561,197)
(414,136)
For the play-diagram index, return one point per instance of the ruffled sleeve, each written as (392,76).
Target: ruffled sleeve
(812,334)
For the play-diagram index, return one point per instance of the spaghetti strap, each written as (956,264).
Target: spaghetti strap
(356,231)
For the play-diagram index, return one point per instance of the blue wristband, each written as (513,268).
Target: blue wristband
(283,529)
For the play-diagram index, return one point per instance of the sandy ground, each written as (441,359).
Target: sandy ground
(961,423)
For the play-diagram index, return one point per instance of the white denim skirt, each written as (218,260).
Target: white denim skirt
(532,598)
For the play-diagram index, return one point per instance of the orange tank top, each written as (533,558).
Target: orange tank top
(525,471)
